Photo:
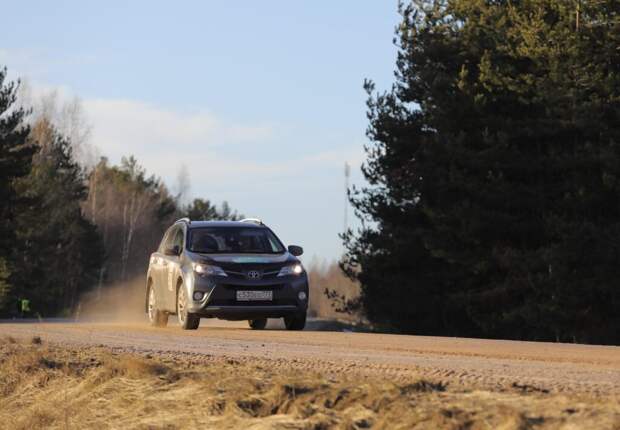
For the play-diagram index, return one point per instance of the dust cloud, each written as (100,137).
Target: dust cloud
(119,303)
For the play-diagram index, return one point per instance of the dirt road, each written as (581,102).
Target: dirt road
(486,364)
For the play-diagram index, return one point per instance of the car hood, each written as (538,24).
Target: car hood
(249,258)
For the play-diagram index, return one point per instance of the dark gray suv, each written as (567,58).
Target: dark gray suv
(233,270)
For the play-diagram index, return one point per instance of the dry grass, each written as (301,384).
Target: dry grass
(46,386)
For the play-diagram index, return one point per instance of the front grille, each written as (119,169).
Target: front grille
(244,275)
(240,271)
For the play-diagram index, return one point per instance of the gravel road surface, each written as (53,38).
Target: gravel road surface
(489,364)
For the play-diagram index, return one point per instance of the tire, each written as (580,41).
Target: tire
(258,324)
(187,321)
(157,318)
(295,322)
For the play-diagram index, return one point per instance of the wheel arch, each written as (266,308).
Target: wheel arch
(180,284)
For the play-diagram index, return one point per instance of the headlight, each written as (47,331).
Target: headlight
(295,269)
(206,269)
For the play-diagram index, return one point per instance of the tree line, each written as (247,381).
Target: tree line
(493,205)
(67,227)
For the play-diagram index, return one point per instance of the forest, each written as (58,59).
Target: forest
(70,221)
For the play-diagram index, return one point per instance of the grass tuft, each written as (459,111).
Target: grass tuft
(10,339)
(423,386)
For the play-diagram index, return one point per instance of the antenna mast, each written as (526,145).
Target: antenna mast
(347,174)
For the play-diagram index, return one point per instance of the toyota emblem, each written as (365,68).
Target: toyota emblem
(254,274)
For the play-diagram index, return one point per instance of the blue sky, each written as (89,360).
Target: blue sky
(261,101)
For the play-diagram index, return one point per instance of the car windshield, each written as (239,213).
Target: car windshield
(234,240)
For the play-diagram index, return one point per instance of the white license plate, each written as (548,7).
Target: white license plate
(249,296)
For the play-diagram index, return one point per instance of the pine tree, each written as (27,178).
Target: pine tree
(204,210)
(493,171)
(60,251)
(15,161)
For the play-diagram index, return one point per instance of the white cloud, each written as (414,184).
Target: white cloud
(214,150)
(163,139)
(123,125)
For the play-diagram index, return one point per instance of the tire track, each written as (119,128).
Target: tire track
(466,363)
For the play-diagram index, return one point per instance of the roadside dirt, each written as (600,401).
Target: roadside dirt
(381,381)
(484,364)
(56,386)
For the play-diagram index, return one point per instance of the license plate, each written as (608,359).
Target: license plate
(249,296)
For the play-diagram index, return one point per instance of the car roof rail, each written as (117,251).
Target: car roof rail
(253,221)
(186,219)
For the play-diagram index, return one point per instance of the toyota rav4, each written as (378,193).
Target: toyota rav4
(233,270)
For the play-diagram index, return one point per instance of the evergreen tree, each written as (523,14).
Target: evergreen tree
(60,252)
(15,161)
(494,171)
(204,210)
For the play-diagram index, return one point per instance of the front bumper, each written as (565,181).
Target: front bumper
(220,299)
(245,312)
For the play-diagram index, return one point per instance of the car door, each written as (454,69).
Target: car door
(158,271)
(172,268)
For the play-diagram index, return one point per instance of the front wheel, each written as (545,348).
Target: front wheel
(258,324)
(295,322)
(157,318)
(187,320)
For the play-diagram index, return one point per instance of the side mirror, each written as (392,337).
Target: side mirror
(295,250)
(175,250)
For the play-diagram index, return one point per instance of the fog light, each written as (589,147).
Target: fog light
(198,295)
(302,295)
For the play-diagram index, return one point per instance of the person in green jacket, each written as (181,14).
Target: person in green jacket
(24,307)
